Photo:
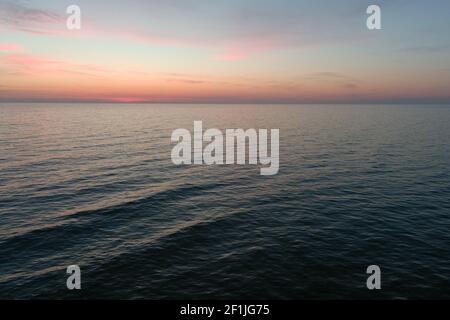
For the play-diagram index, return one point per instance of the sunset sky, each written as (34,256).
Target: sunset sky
(225,51)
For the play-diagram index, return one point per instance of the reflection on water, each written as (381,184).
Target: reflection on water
(94,185)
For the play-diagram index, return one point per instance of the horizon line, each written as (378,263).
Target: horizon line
(236,102)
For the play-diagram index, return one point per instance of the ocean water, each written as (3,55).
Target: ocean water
(94,185)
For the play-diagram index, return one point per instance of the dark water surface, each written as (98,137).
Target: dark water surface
(94,185)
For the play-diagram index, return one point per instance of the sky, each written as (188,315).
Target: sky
(225,51)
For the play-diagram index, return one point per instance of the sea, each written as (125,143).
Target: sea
(94,185)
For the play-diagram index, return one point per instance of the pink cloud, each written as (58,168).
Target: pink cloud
(239,51)
(229,56)
(28,61)
(10,47)
(19,64)
(41,22)
(249,46)
(22,18)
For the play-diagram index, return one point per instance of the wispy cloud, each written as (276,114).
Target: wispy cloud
(244,32)
(29,64)
(10,47)
(18,15)
(245,48)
